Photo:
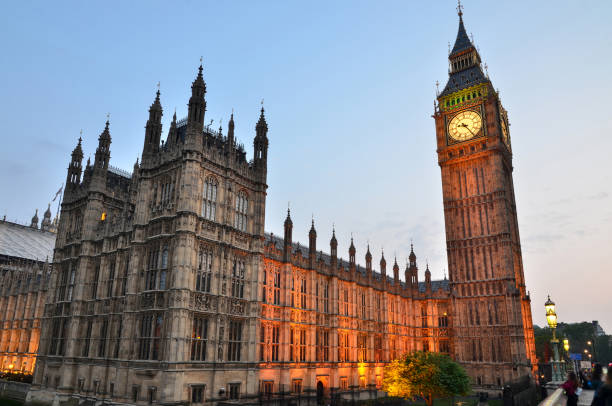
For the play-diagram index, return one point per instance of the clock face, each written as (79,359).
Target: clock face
(465,125)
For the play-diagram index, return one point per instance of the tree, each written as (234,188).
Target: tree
(426,374)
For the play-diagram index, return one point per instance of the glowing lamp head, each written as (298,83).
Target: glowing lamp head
(589,342)
(566,344)
(11,366)
(551,316)
(103,216)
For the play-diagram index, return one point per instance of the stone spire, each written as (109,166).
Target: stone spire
(197,103)
(46,223)
(230,133)
(288,237)
(73,177)
(333,249)
(396,271)
(352,253)
(383,265)
(34,223)
(172,133)
(368,259)
(260,143)
(312,244)
(413,269)
(412,256)
(102,156)
(153,129)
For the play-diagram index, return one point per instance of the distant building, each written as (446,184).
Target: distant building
(599,331)
(25,269)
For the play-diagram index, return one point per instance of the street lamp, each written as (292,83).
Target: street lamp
(566,345)
(590,343)
(551,319)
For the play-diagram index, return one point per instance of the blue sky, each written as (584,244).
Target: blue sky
(349,89)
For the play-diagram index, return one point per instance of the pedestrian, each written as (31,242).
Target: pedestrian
(603,396)
(596,377)
(571,386)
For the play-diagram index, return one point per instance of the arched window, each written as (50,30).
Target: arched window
(204,273)
(209,199)
(242,205)
(164,259)
(162,280)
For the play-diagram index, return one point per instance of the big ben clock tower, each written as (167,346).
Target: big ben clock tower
(493,330)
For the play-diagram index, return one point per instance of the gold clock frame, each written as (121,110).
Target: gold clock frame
(479,109)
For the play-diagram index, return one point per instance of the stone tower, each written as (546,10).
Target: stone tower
(491,314)
(157,271)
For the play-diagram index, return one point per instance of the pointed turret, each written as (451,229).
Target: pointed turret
(333,249)
(153,129)
(173,137)
(46,222)
(288,236)
(383,265)
(368,260)
(427,278)
(413,269)
(412,256)
(74,168)
(352,253)
(260,143)
(230,133)
(464,62)
(102,156)
(34,222)
(312,244)
(396,271)
(197,104)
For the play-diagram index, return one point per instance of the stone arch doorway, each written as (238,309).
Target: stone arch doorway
(320,392)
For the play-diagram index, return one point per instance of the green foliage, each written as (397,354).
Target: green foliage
(578,335)
(10,402)
(427,375)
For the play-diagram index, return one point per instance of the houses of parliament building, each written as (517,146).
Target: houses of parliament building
(166,288)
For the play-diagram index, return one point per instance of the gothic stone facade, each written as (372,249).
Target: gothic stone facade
(24,279)
(492,325)
(167,290)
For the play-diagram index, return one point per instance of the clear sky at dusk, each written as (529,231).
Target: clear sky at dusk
(349,89)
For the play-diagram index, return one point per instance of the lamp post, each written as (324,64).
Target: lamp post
(592,345)
(558,370)
(566,347)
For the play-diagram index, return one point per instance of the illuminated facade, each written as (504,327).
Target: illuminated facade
(167,290)
(332,325)
(24,279)
(492,326)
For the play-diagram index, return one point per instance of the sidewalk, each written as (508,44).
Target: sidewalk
(586,397)
(557,398)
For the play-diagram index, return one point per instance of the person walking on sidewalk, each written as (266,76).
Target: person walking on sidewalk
(603,396)
(571,386)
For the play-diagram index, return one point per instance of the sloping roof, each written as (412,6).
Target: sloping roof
(463,79)
(435,285)
(26,242)
(463,41)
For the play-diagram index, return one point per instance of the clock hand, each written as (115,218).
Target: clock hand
(464,125)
